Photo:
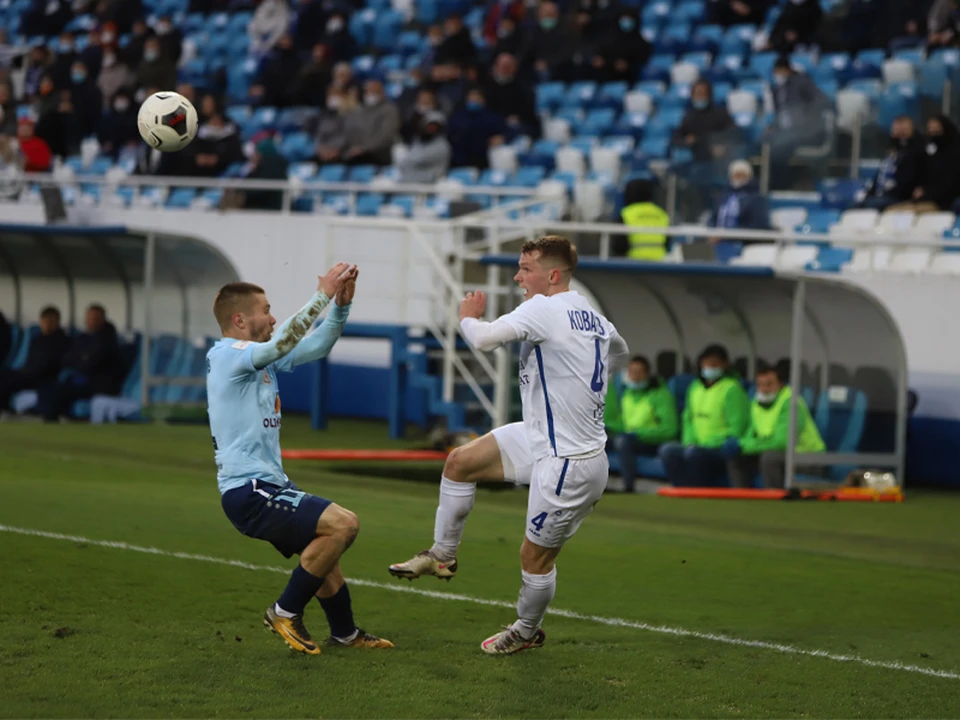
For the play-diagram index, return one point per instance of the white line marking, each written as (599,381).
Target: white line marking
(616,622)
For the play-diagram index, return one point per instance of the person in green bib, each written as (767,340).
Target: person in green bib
(717,410)
(639,418)
(639,210)
(764,446)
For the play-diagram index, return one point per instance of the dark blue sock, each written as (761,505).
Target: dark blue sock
(339,613)
(302,586)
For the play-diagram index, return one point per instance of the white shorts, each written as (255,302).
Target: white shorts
(562,491)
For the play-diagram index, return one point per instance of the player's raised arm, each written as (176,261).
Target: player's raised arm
(619,351)
(320,342)
(294,328)
(482,335)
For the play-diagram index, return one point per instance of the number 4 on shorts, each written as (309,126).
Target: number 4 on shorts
(538,521)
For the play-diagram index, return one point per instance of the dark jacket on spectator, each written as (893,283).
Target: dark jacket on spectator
(744,208)
(458,49)
(279,76)
(343,46)
(555,47)
(514,98)
(309,25)
(513,42)
(224,142)
(799,103)
(118,129)
(470,131)
(87,104)
(900,173)
(720,12)
(628,46)
(270,165)
(802,19)
(96,356)
(45,357)
(710,126)
(160,73)
(60,69)
(514,9)
(940,183)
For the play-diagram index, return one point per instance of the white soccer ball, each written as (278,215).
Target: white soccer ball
(167,121)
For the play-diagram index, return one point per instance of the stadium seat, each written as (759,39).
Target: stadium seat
(332,173)
(557,129)
(571,160)
(788,218)
(909,260)
(764,254)
(362,173)
(464,175)
(685,73)
(840,417)
(858,221)
(945,263)
(369,204)
(930,226)
(869,259)
(853,109)
(678,386)
(895,222)
(606,160)
(638,101)
(899,99)
(503,158)
(830,259)
(550,95)
(599,121)
(796,257)
(528,177)
(762,64)
(742,101)
(838,194)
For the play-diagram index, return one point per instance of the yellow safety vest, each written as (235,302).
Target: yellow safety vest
(646,246)
(764,420)
(706,406)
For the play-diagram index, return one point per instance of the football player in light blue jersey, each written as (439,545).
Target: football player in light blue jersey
(257,496)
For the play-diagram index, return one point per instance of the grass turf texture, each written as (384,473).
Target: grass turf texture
(94,631)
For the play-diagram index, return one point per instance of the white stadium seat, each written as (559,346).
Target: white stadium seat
(606,160)
(588,199)
(504,158)
(912,260)
(557,129)
(571,160)
(932,225)
(684,73)
(638,102)
(945,263)
(788,218)
(895,222)
(853,109)
(796,257)
(742,102)
(857,221)
(760,254)
(898,71)
(869,259)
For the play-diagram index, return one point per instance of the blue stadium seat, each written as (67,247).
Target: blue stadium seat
(819,221)
(762,64)
(527,177)
(707,38)
(332,173)
(493,178)
(584,143)
(873,89)
(613,93)
(838,194)
(914,56)
(677,97)
(656,147)
(15,335)
(567,178)
(362,173)
(939,67)
(410,42)
(701,59)
(599,121)
(674,39)
(573,115)
(21,348)
(830,259)
(580,93)
(550,95)
(840,417)
(899,99)
(872,57)
(463,175)
(655,14)
(361,28)
(369,204)
(297,147)
(406,203)
(737,40)
(541,154)
(803,61)
(386,28)
(678,386)
(181,197)
(390,64)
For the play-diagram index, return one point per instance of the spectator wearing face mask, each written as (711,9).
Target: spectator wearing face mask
(551,45)
(36,153)
(314,78)
(114,75)
(707,129)
(717,410)
(37,65)
(939,185)
(428,158)
(118,128)
(900,171)
(339,40)
(373,129)
(500,11)
(621,50)
(277,82)
(133,52)
(155,70)
(341,105)
(63,61)
(266,164)
(87,105)
(92,54)
(457,48)
(473,130)
(51,116)
(512,98)
(594,20)
(743,206)
(270,21)
(799,119)
(798,24)
(426,103)
(639,417)
(171,39)
(216,147)
(763,448)
(511,38)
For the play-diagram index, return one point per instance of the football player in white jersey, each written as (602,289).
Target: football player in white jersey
(566,355)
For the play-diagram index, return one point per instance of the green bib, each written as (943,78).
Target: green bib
(637,411)
(646,246)
(764,422)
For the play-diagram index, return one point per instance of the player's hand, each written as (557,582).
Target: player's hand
(335,277)
(473,305)
(345,293)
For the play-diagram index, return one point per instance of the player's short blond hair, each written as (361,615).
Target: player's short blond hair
(232,298)
(555,248)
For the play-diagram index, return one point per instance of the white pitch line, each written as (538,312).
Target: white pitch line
(616,622)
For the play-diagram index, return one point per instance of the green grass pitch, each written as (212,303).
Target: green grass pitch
(88,630)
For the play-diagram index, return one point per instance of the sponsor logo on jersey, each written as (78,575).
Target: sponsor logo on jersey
(266,377)
(271,422)
(586,321)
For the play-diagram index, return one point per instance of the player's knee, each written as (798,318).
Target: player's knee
(458,465)
(348,527)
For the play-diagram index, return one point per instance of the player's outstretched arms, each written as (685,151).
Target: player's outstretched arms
(320,342)
(294,328)
(482,335)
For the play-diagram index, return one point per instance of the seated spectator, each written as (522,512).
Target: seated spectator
(799,120)
(456,51)
(939,184)
(429,155)
(473,130)
(707,128)
(373,128)
(309,25)
(640,418)
(122,13)
(36,153)
(341,106)
(943,24)
(551,45)
(639,210)
(216,147)
(798,24)
(46,17)
(737,12)
(156,70)
(278,80)
(37,65)
(52,116)
(763,448)
(426,104)
(594,20)
(86,103)
(63,61)
(266,164)
(620,52)
(171,39)
(92,54)
(743,207)
(501,11)
(118,128)
(115,75)
(900,172)
(188,91)
(511,98)
(11,167)
(42,366)
(133,52)
(270,21)
(314,77)
(511,38)
(342,76)
(717,409)
(340,42)
(94,366)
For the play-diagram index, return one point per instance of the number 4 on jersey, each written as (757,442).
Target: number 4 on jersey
(538,521)
(596,383)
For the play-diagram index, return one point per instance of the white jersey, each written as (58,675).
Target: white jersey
(564,363)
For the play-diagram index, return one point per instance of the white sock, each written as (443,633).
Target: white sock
(456,501)
(282,613)
(535,596)
(350,639)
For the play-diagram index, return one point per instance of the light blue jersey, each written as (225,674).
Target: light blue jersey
(243,402)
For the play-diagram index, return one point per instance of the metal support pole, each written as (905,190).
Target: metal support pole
(605,246)
(947,100)
(149,266)
(671,199)
(765,168)
(900,439)
(796,349)
(856,148)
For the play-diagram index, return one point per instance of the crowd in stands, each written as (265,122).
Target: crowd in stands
(62,369)
(721,436)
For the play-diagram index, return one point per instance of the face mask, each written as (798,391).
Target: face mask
(334,103)
(504,33)
(635,385)
(700,104)
(66,47)
(78,77)
(739,182)
(779,80)
(474,105)
(151,55)
(548,23)
(164,29)
(423,109)
(370,99)
(334,25)
(109,60)
(501,79)
(627,24)
(766,398)
(933,145)
(107,38)
(711,373)
(121,105)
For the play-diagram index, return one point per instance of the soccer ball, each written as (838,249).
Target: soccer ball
(167,121)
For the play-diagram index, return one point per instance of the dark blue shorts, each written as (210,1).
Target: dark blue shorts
(285,517)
